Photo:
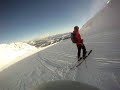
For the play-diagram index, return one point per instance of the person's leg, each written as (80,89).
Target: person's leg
(79,50)
(84,50)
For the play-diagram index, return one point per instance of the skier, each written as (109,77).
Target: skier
(79,43)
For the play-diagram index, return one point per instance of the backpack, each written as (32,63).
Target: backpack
(73,38)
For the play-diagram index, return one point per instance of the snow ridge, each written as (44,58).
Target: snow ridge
(10,52)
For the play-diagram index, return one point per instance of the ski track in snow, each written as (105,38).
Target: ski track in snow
(54,67)
(63,54)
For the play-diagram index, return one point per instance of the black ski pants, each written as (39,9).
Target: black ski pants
(79,47)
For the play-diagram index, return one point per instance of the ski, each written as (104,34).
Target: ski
(78,63)
(75,64)
(84,58)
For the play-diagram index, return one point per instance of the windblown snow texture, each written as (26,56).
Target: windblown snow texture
(102,67)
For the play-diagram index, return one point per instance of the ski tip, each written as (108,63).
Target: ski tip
(90,50)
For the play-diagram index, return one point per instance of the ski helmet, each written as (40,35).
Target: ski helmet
(76,28)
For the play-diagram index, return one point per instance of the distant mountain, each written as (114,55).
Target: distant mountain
(9,52)
(49,40)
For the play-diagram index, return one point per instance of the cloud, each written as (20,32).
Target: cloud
(96,5)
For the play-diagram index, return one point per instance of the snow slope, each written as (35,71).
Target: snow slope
(15,52)
(101,69)
(10,52)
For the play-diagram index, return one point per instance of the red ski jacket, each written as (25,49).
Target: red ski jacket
(78,37)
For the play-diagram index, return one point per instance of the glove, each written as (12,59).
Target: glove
(81,44)
(81,40)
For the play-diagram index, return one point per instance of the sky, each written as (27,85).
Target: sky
(22,20)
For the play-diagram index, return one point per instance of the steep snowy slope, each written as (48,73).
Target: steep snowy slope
(101,69)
